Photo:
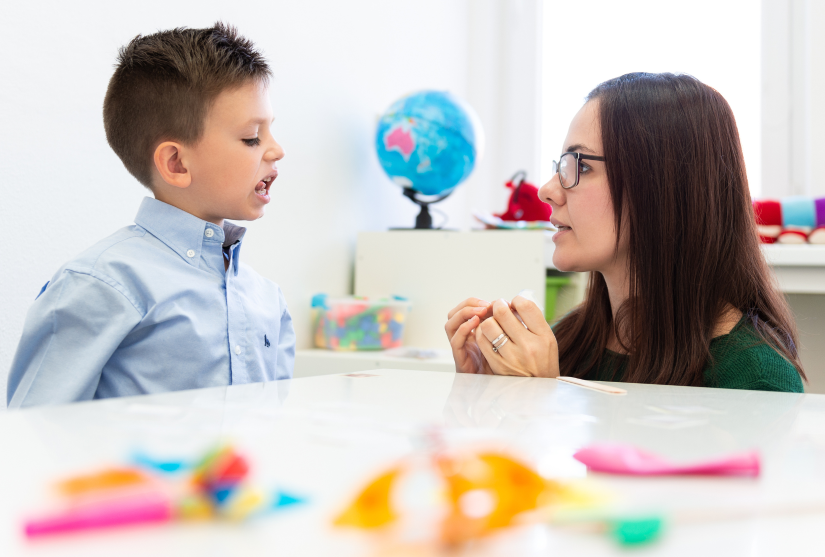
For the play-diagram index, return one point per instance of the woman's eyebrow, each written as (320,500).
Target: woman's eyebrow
(578,147)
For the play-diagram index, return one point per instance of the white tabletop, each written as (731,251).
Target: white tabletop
(326,436)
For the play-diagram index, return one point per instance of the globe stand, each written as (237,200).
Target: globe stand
(424,221)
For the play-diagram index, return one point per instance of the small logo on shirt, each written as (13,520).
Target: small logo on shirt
(266,341)
(45,286)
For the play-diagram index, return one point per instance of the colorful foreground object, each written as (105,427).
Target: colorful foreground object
(358,323)
(626,459)
(107,479)
(152,507)
(372,507)
(471,494)
(216,487)
(489,491)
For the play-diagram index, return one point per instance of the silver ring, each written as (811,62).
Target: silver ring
(496,348)
(498,338)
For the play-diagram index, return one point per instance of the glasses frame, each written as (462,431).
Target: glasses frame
(579,157)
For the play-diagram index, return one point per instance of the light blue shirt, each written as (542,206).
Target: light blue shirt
(151,309)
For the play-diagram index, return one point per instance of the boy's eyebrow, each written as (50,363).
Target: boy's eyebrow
(260,121)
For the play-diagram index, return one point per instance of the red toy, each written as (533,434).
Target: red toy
(524,202)
(768,219)
(790,220)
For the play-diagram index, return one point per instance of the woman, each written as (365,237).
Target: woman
(651,197)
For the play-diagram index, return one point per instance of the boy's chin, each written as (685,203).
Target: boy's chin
(247,215)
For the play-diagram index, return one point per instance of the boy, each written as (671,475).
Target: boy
(165,304)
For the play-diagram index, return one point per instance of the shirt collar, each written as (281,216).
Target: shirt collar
(233,234)
(185,233)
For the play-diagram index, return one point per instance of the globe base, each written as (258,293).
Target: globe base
(424,221)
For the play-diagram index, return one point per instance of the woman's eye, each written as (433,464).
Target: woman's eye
(583,168)
(252,142)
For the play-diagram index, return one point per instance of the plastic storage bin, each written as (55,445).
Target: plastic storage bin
(358,323)
(551,294)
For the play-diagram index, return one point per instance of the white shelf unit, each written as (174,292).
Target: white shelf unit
(800,269)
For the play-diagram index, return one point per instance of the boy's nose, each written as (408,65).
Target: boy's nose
(275,152)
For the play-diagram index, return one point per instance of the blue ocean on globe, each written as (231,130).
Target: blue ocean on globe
(429,141)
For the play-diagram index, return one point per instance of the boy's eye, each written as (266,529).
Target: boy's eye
(252,142)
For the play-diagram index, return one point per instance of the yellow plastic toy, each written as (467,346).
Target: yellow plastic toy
(480,493)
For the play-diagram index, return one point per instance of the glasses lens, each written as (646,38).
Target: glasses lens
(567,171)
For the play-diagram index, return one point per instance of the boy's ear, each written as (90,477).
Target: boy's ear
(170,165)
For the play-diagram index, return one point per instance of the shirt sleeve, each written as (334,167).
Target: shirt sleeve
(71,331)
(286,342)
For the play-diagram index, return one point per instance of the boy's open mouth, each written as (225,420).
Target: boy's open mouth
(263,186)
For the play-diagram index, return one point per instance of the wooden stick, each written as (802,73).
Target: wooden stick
(717,514)
(593,385)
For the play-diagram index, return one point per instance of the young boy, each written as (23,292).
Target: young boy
(165,304)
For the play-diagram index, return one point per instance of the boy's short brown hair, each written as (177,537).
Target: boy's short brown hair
(164,84)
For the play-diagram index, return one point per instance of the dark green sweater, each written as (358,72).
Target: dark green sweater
(739,360)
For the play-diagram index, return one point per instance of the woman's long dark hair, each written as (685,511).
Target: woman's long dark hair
(680,196)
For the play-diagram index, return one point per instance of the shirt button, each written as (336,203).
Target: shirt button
(238,350)
(209,232)
(190,253)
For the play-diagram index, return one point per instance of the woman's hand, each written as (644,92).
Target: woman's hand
(531,351)
(461,321)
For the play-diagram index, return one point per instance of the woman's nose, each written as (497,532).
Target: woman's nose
(552,192)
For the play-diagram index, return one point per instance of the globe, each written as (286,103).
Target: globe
(428,143)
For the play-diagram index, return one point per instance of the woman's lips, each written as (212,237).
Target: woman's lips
(561,232)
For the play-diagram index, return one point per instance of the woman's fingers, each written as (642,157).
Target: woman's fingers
(490,331)
(507,321)
(531,315)
(496,360)
(469,302)
(484,344)
(459,339)
(534,355)
(460,317)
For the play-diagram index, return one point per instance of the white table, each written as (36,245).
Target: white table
(320,361)
(325,436)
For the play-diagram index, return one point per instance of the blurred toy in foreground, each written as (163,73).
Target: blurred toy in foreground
(790,220)
(216,488)
(524,209)
(455,498)
(355,323)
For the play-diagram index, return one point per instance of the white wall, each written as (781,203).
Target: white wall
(716,41)
(793,86)
(337,65)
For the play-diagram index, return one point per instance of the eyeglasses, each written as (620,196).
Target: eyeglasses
(569,161)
